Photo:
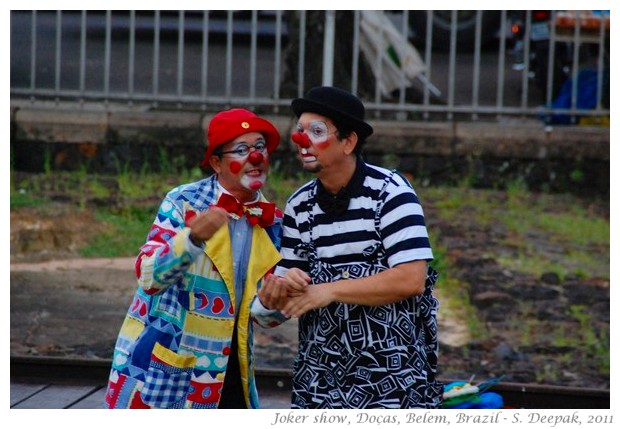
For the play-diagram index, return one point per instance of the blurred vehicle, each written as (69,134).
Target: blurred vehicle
(465,28)
(194,22)
(564,22)
(538,63)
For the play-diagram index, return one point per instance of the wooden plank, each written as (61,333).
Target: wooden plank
(21,391)
(57,369)
(78,397)
(56,396)
(94,401)
(274,401)
(270,399)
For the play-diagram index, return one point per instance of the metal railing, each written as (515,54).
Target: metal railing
(404,64)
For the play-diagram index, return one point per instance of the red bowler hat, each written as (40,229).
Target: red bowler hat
(230,124)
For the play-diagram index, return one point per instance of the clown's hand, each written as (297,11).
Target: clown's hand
(296,281)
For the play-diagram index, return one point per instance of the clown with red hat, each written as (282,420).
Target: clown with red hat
(229,124)
(186,341)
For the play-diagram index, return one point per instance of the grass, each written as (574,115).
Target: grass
(453,294)
(137,196)
(125,233)
(596,343)
(23,199)
(541,233)
(576,241)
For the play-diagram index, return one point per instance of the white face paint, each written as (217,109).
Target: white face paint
(244,165)
(252,182)
(318,132)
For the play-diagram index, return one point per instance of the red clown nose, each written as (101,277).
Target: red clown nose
(301,139)
(255,157)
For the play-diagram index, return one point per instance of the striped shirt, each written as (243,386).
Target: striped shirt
(345,239)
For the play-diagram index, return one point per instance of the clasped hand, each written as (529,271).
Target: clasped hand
(293,294)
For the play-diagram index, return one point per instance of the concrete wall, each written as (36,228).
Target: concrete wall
(560,158)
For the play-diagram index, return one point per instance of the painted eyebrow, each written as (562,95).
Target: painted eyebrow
(313,123)
(258,140)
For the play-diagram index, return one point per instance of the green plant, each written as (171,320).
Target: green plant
(577,175)
(47,161)
(163,161)
(126,231)
(516,190)
(526,223)
(546,372)
(453,294)
(97,189)
(528,328)
(22,198)
(595,342)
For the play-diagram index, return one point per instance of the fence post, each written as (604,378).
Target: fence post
(328,47)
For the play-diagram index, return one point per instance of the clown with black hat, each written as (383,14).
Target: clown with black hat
(343,110)
(354,270)
(187,338)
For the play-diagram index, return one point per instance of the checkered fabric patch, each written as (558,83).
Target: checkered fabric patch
(165,385)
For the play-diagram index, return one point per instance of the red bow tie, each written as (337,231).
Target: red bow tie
(259,213)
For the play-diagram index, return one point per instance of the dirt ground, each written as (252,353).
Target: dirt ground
(63,305)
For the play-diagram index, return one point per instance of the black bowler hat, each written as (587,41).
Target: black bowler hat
(337,104)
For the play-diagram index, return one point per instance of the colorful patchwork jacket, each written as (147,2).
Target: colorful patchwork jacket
(173,347)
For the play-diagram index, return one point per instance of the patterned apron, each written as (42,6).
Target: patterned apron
(355,356)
